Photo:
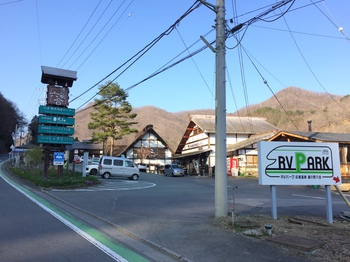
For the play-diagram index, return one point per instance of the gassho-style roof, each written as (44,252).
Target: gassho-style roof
(139,135)
(234,125)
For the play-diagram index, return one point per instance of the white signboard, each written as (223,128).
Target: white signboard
(298,163)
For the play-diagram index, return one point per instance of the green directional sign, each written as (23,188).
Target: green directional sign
(56,110)
(56,120)
(63,130)
(67,140)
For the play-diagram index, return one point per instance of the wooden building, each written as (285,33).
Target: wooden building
(150,149)
(196,150)
(322,137)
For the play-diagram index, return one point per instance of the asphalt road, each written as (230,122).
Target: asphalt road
(29,233)
(245,195)
(167,218)
(175,212)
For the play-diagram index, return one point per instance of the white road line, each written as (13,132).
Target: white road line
(308,196)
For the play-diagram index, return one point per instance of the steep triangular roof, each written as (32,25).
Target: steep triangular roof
(139,135)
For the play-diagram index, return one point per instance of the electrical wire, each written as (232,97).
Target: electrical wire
(81,31)
(334,23)
(297,32)
(103,38)
(139,54)
(310,69)
(194,62)
(273,93)
(12,2)
(86,48)
(155,73)
(282,84)
(76,49)
(145,49)
(240,59)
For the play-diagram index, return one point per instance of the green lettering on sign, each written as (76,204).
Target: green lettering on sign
(300,159)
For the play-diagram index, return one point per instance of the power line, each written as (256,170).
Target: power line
(145,49)
(309,67)
(103,38)
(76,49)
(100,33)
(194,62)
(12,2)
(81,31)
(266,83)
(298,32)
(140,53)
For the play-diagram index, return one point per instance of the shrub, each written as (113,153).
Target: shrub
(67,180)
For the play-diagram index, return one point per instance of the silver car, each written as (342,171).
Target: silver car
(173,170)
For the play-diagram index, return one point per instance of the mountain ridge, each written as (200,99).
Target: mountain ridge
(288,109)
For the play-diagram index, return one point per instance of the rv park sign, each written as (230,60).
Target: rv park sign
(299,163)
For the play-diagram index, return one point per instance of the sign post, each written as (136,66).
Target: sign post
(299,163)
(58,158)
(56,118)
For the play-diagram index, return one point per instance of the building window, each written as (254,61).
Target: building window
(251,160)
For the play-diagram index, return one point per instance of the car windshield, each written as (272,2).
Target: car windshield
(95,160)
(175,166)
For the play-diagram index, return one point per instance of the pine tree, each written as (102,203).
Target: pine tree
(112,118)
(33,130)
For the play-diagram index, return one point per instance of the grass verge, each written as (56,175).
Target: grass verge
(68,179)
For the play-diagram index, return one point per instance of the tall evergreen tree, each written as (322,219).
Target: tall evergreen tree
(112,119)
(33,130)
(10,118)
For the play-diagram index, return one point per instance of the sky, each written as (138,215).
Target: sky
(305,45)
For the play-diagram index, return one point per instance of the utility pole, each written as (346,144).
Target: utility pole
(220,113)
(221,204)
(220,108)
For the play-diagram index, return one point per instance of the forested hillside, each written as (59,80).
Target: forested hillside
(289,109)
(170,126)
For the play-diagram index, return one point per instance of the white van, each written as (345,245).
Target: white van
(118,166)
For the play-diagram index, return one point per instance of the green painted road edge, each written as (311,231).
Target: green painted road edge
(91,234)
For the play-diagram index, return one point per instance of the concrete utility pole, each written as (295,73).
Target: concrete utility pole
(220,108)
(220,114)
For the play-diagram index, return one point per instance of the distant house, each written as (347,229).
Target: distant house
(78,149)
(150,149)
(196,150)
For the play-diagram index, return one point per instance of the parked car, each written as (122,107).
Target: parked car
(95,160)
(92,169)
(118,166)
(173,170)
(142,167)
